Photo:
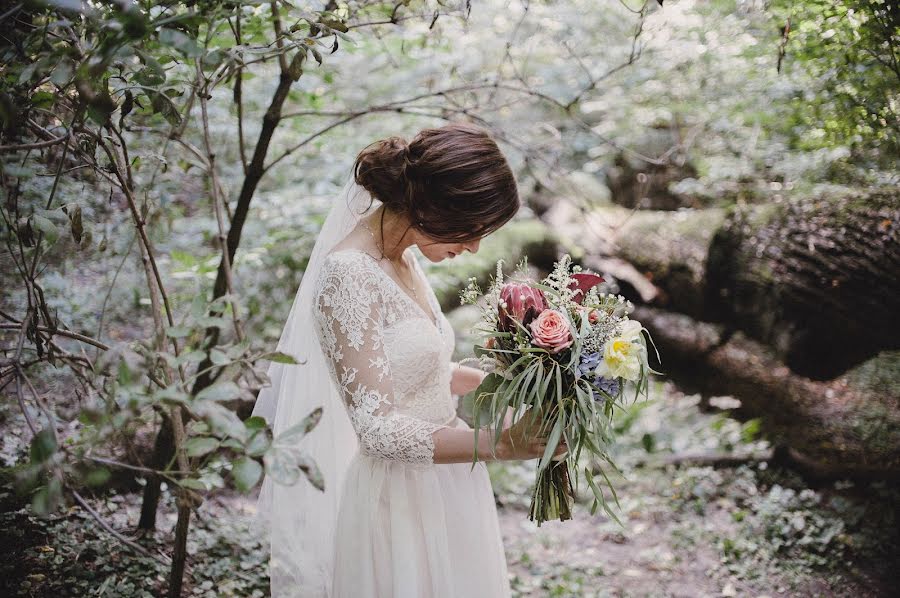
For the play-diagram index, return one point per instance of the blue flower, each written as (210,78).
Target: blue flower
(608,385)
(589,363)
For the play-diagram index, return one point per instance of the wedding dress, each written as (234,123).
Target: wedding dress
(406,527)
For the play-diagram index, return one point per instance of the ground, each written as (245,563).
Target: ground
(744,530)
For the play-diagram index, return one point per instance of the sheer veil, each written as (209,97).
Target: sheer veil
(299,520)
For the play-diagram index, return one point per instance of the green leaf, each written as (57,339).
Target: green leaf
(218,357)
(43,99)
(295,433)
(258,444)
(279,357)
(222,421)
(282,465)
(220,391)
(180,41)
(311,470)
(193,484)
(63,72)
(171,395)
(246,473)
(97,477)
(750,429)
(43,445)
(201,445)
(552,442)
(177,331)
(255,423)
(44,225)
(472,404)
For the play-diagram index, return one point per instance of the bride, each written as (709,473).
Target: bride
(404,513)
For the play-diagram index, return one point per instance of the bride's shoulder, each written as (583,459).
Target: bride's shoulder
(348,267)
(348,258)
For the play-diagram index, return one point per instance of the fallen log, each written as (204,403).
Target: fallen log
(847,426)
(816,279)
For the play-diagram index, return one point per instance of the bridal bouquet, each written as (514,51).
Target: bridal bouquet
(561,351)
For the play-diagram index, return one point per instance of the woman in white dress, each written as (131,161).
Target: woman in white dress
(414,518)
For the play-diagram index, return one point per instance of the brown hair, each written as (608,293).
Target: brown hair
(453,181)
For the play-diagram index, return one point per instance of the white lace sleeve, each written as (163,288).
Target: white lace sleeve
(349,323)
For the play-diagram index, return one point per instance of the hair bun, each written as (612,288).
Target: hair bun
(383,168)
(452,182)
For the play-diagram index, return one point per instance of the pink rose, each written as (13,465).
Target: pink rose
(583,282)
(550,331)
(594,316)
(523,303)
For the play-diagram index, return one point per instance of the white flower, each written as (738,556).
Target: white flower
(624,355)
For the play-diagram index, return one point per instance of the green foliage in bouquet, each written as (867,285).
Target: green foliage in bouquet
(561,353)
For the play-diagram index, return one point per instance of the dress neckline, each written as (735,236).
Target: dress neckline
(434,320)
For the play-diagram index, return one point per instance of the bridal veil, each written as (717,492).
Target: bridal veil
(299,520)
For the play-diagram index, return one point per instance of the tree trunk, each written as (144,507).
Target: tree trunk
(163,451)
(255,171)
(848,426)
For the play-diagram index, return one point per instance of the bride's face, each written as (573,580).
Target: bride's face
(437,251)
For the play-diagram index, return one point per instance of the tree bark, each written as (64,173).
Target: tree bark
(817,279)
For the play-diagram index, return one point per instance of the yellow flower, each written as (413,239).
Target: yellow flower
(623,355)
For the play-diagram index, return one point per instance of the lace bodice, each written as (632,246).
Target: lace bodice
(388,358)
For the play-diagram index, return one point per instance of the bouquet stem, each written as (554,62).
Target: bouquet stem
(552,494)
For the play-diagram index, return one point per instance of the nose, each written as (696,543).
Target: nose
(472,245)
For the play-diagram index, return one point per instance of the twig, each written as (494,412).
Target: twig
(61,332)
(5,149)
(707,458)
(216,200)
(129,543)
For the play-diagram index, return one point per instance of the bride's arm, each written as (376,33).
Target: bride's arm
(350,329)
(464,379)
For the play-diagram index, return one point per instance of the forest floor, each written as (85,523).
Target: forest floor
(748,529)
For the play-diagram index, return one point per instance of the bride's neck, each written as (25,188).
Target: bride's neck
(392,233)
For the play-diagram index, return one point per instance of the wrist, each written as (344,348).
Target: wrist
(488,450)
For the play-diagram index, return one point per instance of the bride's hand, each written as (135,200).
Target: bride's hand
(522,441)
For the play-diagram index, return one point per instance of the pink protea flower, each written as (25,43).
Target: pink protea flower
(583,282)
(523,303)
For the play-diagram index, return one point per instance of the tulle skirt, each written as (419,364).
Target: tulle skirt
(418,532)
